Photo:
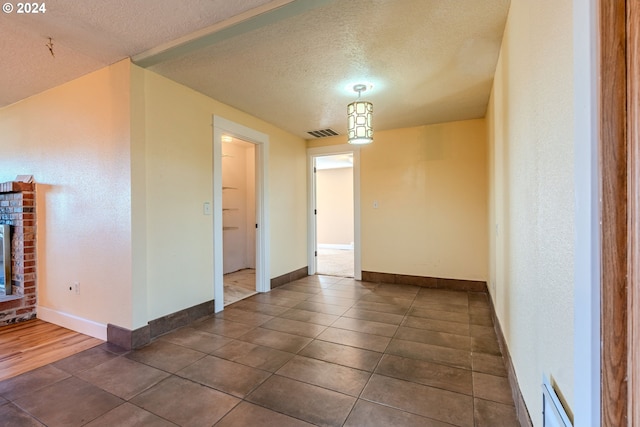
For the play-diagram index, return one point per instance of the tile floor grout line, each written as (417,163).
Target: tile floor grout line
(370,374)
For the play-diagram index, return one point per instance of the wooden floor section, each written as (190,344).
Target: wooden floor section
(29,345)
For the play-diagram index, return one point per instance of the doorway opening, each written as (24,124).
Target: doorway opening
(238,219)
(334,215)
(334,211)
(255,218)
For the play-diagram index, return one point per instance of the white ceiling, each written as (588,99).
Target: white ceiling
(288,62)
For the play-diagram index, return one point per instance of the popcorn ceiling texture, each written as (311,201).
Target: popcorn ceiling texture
(430,61)
(90,35)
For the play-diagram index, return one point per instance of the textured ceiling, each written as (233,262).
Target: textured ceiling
(429,61)
(91,34)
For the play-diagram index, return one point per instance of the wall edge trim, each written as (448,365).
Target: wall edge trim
(289,277)
(131,339)
(425,281)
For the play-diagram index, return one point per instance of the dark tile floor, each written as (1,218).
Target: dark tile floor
(320,351)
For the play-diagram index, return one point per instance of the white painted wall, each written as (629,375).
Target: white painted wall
(531,221)
(250,202)
(334,201)
(238,203)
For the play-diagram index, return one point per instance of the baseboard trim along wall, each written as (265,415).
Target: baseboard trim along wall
(75,323)
(426,282)
(290,277)
(344,247)
(521,408)
(472,286)
(140,337)
(131,339)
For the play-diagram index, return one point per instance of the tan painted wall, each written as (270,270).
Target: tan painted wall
(334,200)
(178,181)
(430,183)
(123,160)
(138,198)
(530,132)
(74,139)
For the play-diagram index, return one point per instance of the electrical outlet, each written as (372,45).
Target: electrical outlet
(76,287)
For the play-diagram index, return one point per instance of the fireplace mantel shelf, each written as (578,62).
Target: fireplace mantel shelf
(15,187)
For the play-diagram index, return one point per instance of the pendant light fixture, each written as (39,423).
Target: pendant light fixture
(359,114)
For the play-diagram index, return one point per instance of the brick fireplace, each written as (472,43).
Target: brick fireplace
(17,208)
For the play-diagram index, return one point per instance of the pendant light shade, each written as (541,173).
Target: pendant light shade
(359,115)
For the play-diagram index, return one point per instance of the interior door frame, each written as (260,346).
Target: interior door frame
(633,150)
(222,126)
(312,240)
(619,153)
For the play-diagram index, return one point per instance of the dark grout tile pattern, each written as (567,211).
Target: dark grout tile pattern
(128,415)
(71,401)
(324,374)
(322,350)
(184,402)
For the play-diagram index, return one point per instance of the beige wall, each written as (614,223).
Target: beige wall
(178,181)
(530,128)
(430,183)
(138,198)
(334,201)
(74,139)
(123,161)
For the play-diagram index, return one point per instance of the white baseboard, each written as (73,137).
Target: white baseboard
(335,246)
(75,323)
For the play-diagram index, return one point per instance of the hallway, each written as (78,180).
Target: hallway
(319,351)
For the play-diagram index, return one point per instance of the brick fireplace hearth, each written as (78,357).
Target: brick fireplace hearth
(17,208)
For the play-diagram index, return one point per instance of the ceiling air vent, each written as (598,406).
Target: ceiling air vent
(322,133)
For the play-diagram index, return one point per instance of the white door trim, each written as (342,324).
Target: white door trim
(312,153)
(222,126)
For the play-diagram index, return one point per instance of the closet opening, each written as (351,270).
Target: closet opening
(238,219)
(257,227)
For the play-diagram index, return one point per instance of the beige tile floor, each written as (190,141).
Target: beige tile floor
(319,351)
(239,285)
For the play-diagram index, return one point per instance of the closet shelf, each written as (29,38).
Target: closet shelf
(230,209)
(229,188)
(229,228)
